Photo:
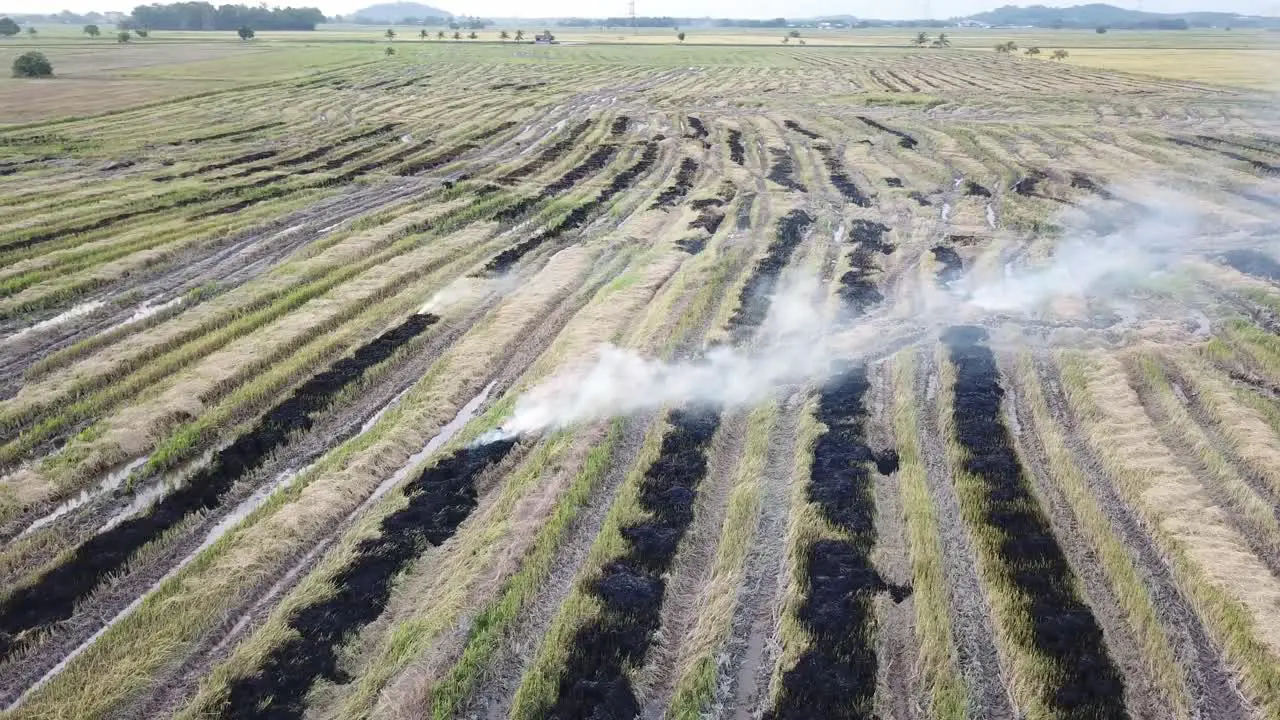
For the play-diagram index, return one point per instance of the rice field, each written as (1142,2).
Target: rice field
(616,381)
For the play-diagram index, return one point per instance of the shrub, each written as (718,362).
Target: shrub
(245,32)
(32,64)
(123,36)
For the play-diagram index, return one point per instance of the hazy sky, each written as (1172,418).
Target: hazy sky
(687,8)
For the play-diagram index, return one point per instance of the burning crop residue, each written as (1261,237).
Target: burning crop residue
(1005,515)
(438,501)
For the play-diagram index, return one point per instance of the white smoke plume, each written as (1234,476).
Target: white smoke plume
(466,291)
(1105,254)
(793,347)
(1101,253)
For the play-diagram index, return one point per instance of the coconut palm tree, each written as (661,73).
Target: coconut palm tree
(519,36)
(457,35)
(943,41)
(391,35)
(472,35)
(439,34)
(422,34)
(504,36)
(921,40)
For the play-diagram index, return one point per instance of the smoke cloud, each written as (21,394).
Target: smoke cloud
(1107,251)
(466,291)
(793,346)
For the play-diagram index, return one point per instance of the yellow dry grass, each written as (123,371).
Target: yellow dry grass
(697,670)
(135,428)
(938,663)
(1244,428)
(1126,582)
(190,603)
(402,669)
(804,526)
(603,319)
(1230,587)
(1239,66)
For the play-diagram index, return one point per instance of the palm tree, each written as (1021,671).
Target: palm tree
(921,40)
(457,35)
(422,34)
(943,41)
(1033,51)
(519,35)
(472,35)
(504,36)
(1061,54)
(391,35)
(439,34)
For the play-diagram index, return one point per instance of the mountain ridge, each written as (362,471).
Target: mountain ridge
(392,12)
(1110,16)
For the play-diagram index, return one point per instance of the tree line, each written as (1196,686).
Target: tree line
(204,16)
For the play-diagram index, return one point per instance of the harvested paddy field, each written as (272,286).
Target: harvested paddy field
(493,381)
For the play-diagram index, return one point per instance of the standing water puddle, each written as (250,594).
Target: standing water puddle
(383,410)
(141,500)
(146,309)
(109,483)
(446,434)
(75,312)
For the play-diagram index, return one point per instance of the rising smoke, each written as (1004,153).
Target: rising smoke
(466,291)
(1107,250)
(793,347)
(1106,253)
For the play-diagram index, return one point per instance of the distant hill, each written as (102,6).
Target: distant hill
(396,11)
(1100,15)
